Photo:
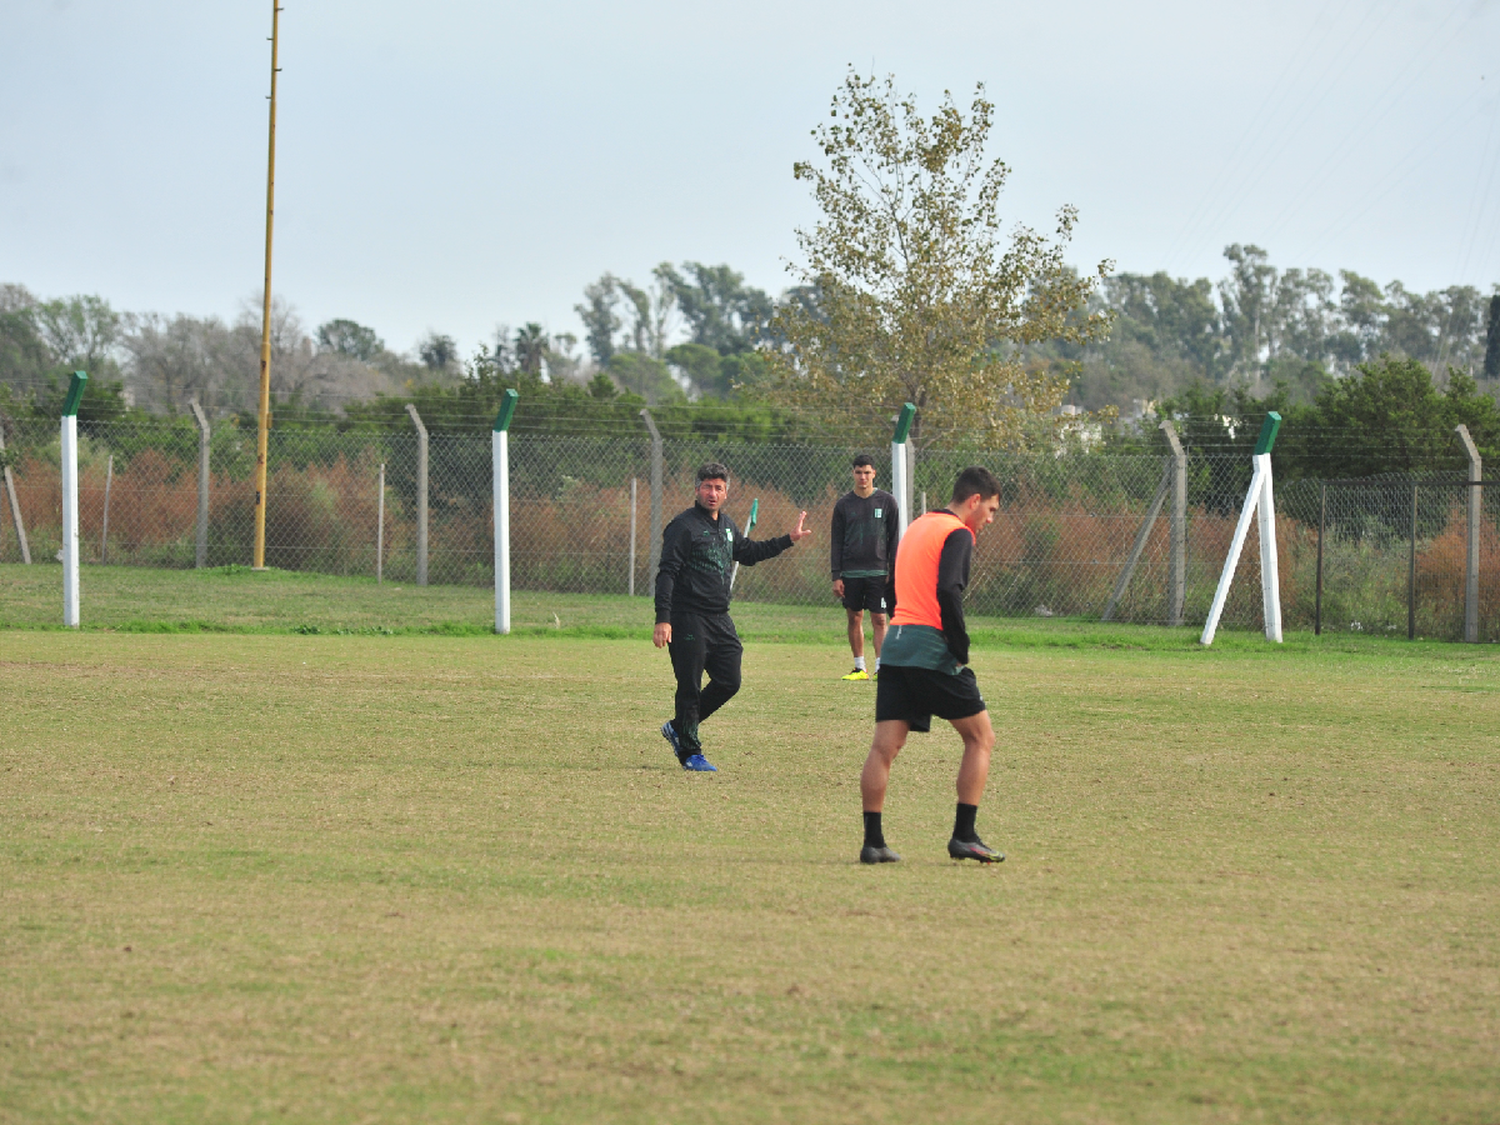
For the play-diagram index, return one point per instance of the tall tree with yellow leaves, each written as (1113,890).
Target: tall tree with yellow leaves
(907,291)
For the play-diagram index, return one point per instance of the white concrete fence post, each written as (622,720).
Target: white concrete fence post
(1471,560)
(631,581)
(901,466)
(416,420)
(1259,504)
(500,458)
(1177,564)
(69,451)
(204,434)
(656,498)
(109,484)
(15,505)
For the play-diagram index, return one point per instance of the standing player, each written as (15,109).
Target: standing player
(698,552)
(861,548)
(924,671)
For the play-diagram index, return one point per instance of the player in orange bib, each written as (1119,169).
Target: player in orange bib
(923,664)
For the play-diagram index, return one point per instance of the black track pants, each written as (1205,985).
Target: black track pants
(702,644)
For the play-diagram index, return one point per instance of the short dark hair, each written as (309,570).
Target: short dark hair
(975,479)
(712,470)
(863,459)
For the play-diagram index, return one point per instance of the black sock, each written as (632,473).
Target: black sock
(963,823)
(874,837)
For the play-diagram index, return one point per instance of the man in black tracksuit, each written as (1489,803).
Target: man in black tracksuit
(698,552)
(862,548)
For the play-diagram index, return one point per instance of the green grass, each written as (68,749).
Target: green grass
(427,878)
(236,599)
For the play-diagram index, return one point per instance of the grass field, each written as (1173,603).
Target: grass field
(254,877)
(236,600)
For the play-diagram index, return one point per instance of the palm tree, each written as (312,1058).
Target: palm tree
(531,348)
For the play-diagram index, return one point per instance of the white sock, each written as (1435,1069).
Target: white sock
(877,664)
(859,663)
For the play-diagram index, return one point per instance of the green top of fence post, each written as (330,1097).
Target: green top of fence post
(75,394)
(1268,430)
(507,410)
(903,423)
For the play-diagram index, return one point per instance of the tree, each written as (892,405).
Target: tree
(1167,334)
(1393,418)
(24,356)
(533,354)
(717,376)
(351,339)
(1362,316)
(653,309)
(639,374)
(530,349)
(173,360)
(564,365)
(1247,295)
(1388,415)
(1460,325)
(81,332)
(1270,327)
(1299,323)
(599,320)
(722,312)
(743,371)
(702,366)
(917,299)
(1492,341)
(601,387)
(1172,317)
(176,360)
(439,353)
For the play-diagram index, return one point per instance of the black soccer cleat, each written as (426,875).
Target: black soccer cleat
(881,854)
(974,849)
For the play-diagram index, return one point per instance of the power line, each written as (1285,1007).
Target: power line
(1375,113)
(1400,170)
(1253,129)
(1249,180)
(1379,110)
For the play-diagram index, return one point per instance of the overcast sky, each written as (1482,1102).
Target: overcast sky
(456,164)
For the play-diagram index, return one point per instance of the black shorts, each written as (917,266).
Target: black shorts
(865,593)
(915,695)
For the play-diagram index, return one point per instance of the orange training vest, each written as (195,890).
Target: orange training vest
(917,568)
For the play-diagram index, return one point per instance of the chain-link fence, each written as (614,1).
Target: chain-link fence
(1389,555)
(1071,535)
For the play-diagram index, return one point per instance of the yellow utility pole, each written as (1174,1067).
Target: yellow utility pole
(262,437)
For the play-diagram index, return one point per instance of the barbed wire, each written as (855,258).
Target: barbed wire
(1345,435)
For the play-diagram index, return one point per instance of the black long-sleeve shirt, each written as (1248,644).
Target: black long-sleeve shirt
(698,553)
(953,577)
(864,535)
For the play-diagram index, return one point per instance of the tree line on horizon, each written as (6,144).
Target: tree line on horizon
(1260,326)
(700,332)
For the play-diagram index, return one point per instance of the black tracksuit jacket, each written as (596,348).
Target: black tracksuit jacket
(698,554)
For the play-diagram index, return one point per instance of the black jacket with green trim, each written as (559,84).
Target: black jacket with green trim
(698,554)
